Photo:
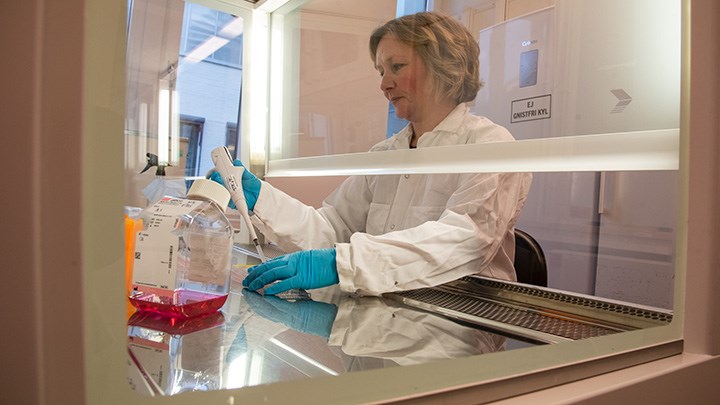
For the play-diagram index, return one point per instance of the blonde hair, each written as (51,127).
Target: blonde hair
(447,48)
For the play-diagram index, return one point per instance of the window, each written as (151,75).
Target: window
(202,24)
(185,68)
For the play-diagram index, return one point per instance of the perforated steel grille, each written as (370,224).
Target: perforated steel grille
(532,312)
(506,314)
(575,300)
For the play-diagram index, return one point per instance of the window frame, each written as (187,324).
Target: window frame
(514,372)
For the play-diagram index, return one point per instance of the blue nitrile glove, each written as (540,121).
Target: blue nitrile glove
(304,269)
(306,316)
(250,185)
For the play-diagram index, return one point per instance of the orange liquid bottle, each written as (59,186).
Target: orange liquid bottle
(132,227)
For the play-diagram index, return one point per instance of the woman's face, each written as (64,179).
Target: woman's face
(405,81)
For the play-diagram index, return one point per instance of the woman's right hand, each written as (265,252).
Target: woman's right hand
(250,185)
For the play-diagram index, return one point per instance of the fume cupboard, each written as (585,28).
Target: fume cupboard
(97,337)
(665,319)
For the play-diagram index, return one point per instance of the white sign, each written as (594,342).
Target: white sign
(530,109)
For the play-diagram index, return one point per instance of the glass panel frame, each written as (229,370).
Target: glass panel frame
(551,148)
(514,372)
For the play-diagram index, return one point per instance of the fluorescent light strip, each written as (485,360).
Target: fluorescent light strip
(140,145)
(163,125)
(233,28)
(258,87)
(205,49)
(277,86)
(256,368)
(625,151)
(268,6)
(237,372)
(174,159)
(303,357)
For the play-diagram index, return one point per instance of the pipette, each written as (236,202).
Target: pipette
(232,177)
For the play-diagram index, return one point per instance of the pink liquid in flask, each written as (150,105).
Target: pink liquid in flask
(183,303)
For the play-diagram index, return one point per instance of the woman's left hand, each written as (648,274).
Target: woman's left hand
(306,269)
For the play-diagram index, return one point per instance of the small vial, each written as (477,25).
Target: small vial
(183,253)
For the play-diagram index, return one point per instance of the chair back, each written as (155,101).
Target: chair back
(530,265)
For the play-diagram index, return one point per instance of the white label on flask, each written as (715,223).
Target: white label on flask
(156,248)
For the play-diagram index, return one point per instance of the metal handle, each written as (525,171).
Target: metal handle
(601,194)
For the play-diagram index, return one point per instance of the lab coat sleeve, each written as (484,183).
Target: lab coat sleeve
(478,220)
(293,226)
(371,328)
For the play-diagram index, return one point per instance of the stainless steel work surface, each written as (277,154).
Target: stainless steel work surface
(258,339)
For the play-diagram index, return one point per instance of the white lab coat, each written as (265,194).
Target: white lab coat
(368,327)
(401,232)
(365,333)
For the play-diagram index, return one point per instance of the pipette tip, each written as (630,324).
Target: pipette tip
(263,259)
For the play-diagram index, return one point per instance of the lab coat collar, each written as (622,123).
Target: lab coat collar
(450,125)
(453,121)
(448,130)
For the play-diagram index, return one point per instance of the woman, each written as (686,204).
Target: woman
(376,234)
